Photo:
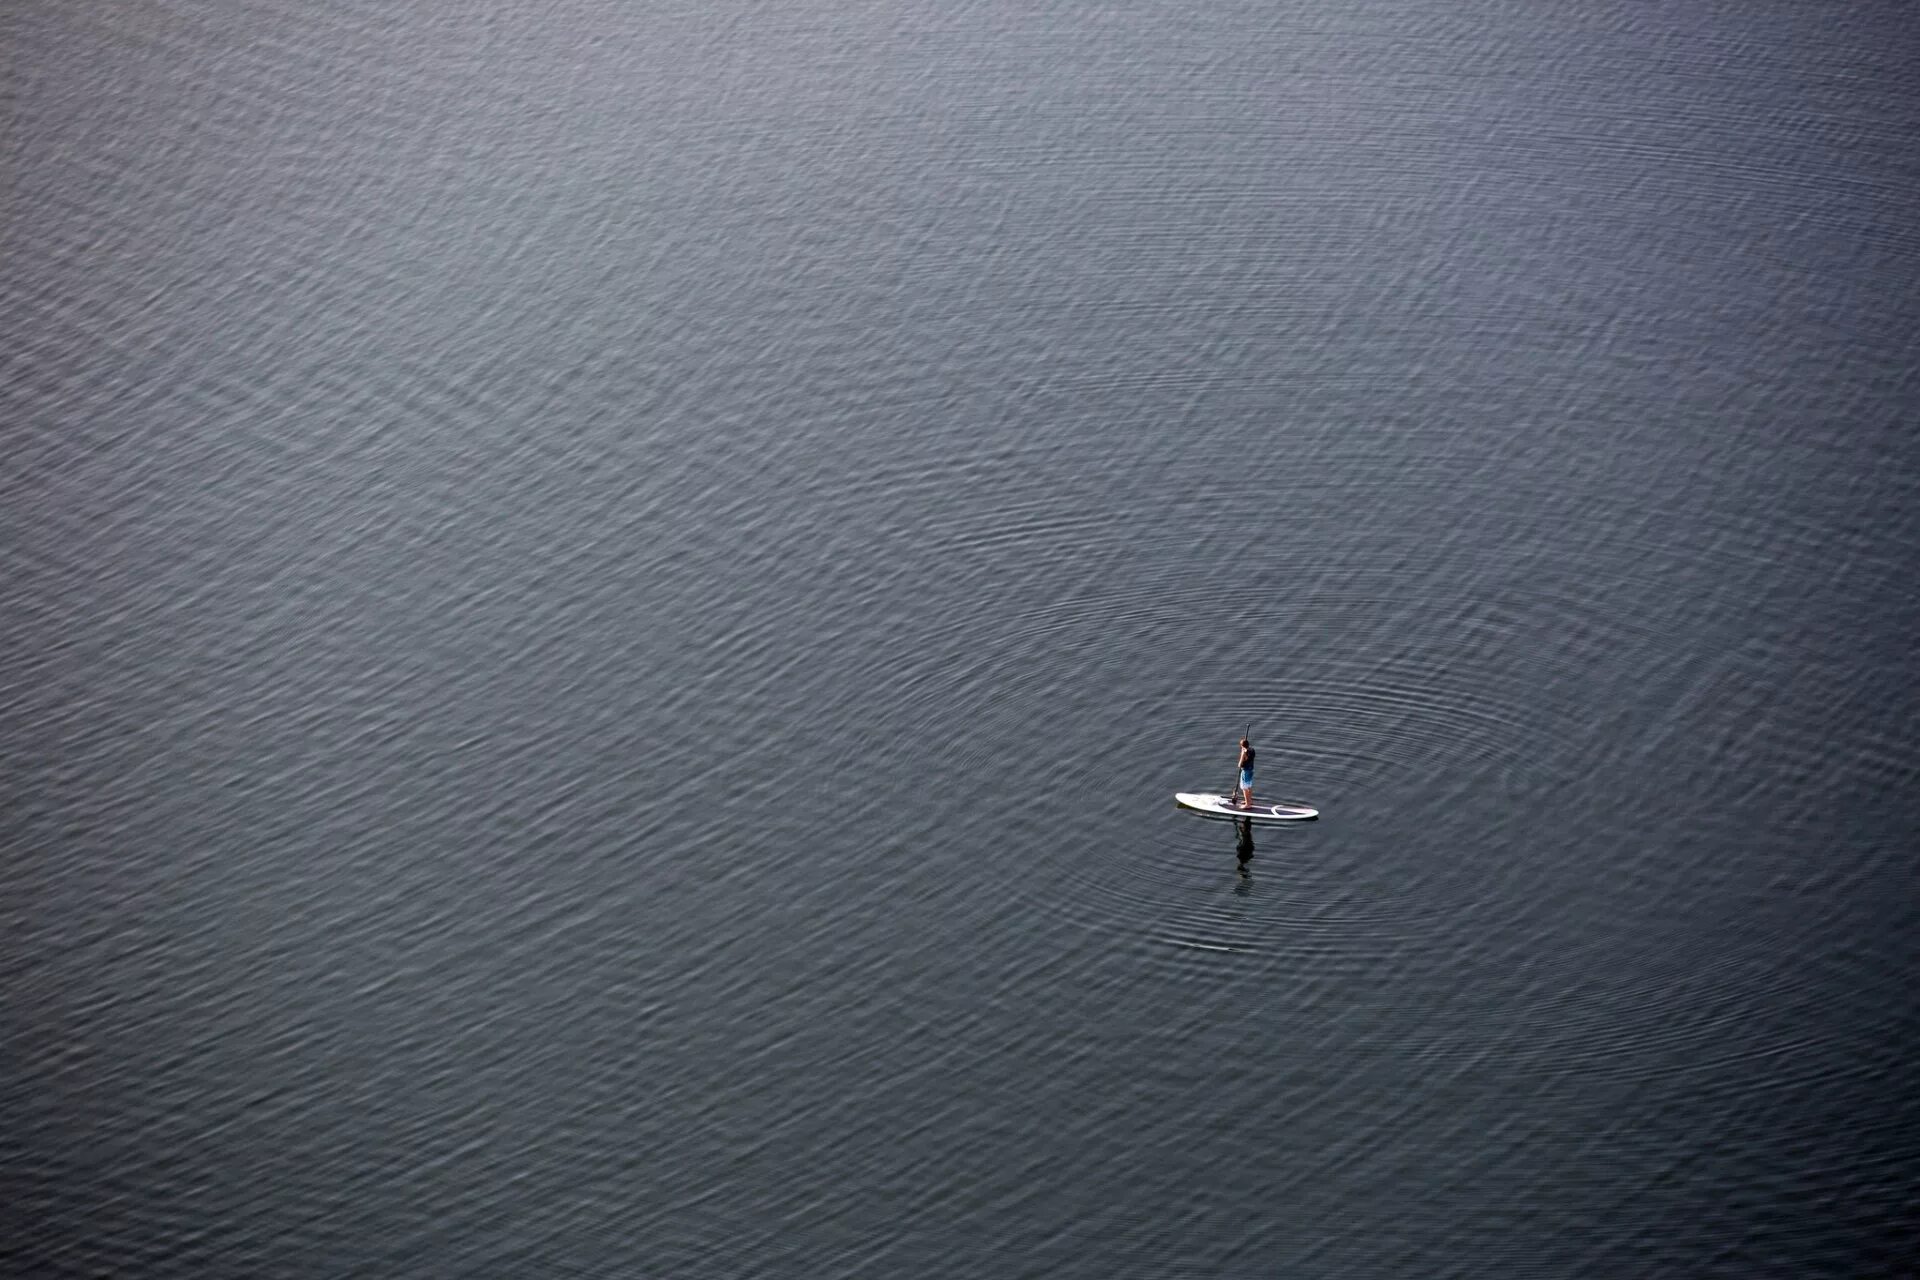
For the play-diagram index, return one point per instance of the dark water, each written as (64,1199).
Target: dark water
(603,604)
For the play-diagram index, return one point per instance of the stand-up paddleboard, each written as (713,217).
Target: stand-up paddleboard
(1215,806)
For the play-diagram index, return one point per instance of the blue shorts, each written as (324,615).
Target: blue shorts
(1246,779)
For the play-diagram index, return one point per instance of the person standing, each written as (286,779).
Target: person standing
(1246,774)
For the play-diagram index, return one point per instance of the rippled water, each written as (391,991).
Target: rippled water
(603,605)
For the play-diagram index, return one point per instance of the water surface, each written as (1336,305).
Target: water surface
(604,603)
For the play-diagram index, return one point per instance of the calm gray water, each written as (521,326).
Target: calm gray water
(603,604)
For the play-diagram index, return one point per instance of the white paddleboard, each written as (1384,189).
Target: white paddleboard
(1223,807)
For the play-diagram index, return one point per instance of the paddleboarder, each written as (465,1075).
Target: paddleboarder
(1245,789)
